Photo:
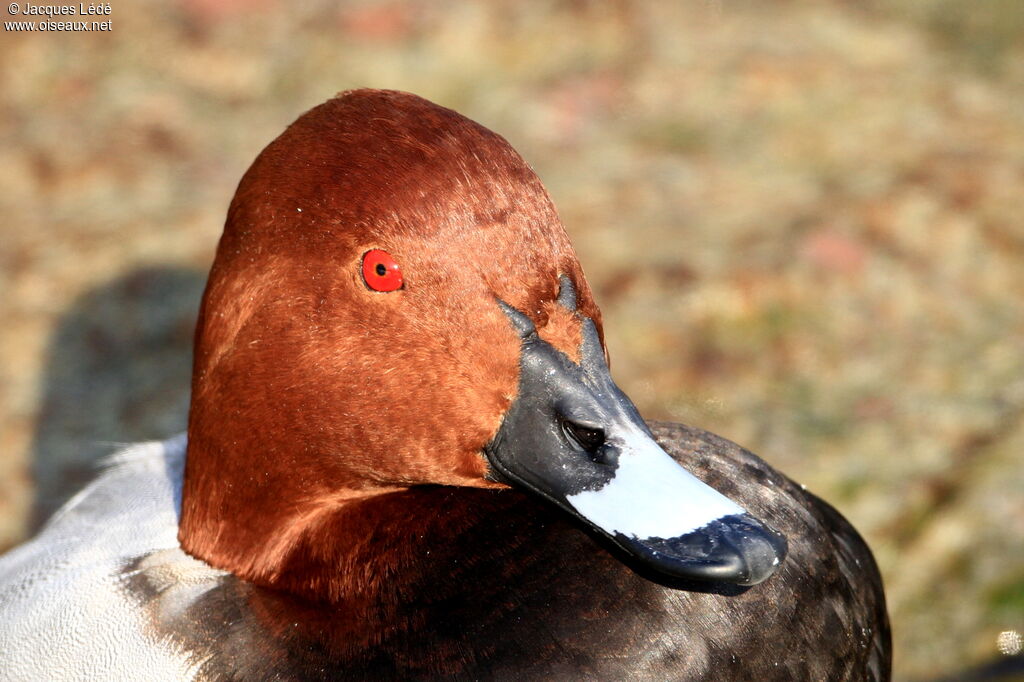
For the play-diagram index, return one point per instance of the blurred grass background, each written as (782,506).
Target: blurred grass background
(802,221)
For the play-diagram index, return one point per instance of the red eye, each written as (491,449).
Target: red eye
(380,271)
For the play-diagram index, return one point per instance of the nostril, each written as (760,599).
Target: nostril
(590,438)
(603,454)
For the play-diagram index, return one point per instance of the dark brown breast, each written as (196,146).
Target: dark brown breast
(502,586)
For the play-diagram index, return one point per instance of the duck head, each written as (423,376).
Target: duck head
(394,303)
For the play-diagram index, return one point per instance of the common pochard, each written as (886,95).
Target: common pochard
(406,458)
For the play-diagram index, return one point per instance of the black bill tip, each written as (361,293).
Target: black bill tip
(735,549)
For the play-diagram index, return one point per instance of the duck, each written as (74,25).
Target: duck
(406,458)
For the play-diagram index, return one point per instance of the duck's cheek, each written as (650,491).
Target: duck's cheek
(413,393)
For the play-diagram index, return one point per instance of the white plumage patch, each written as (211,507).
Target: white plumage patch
(64,614)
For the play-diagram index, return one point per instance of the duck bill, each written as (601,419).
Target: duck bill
(572,437)
(676,524)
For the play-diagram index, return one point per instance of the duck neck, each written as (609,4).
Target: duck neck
(360,549)
(354,547)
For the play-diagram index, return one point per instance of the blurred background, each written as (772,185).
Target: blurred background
(803,222)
